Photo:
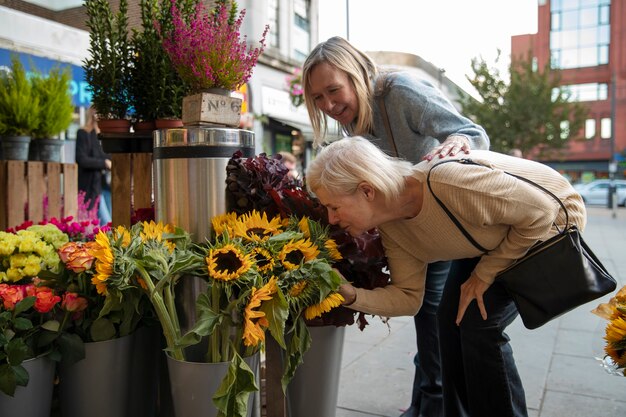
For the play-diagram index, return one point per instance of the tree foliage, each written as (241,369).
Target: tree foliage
(528,112)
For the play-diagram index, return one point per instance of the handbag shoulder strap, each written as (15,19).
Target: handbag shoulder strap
(382,83)
(458,224)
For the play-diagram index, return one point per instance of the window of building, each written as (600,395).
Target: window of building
(301,29)
(579,33)
(272,16)
(587,92)
(605,128)
(590,128)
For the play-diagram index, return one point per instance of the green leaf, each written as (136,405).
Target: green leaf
(24,305)
(72,348)
(231,398)
(7,379)
(276,311)
(102,329)
(298,345)
(51,325)
(21,323)
(16,351)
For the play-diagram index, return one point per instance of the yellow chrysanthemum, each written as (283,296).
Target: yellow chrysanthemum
(101,250)
(333,251)
(327,304)
(297,288)
(123,233)
(264,260)
(228,262)
(294,253)
(224,223)
(255,321)
(256,228)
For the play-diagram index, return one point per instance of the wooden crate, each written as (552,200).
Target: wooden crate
(131,185)
(131,173)
(25,184)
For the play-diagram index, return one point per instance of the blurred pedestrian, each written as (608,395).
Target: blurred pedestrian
(417,121)
(291,162)
(93,163)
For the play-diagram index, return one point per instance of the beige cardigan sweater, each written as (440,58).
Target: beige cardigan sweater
(503,214)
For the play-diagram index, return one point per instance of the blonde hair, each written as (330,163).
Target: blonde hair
(340,167)
(91,120)
(361,71)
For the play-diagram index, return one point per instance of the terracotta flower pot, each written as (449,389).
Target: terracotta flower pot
(114,125)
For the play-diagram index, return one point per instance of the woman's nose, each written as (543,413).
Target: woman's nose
(332,217)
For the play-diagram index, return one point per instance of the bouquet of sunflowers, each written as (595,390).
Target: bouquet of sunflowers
(615,335)
(262,274)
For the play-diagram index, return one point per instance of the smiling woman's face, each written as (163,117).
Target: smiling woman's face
(333,93)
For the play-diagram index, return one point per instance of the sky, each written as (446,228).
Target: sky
(447,33)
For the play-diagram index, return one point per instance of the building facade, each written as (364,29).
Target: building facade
(586,40)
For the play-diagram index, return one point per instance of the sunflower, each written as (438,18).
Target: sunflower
(296,252)
(298,288)
(616,339)
(263,258)
(303,225)
(224,223)
(228,262)
(327,304)
(255,321)
(101,250)
(255,227)
(122,233)
(333,251)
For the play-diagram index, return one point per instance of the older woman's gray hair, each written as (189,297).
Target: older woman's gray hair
(340,167)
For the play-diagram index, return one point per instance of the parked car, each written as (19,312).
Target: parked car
(597,192)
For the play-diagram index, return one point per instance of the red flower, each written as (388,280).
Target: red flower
(73,303)
(46,300)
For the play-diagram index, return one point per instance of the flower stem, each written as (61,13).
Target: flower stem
(169,330)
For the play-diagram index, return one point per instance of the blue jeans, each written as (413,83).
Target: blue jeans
(427,399)
(479,373)
(104,207)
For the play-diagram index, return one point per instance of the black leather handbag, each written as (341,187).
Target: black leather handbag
(555,276)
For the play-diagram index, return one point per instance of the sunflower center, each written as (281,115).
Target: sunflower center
(295,257)
(261,260)
(229,262)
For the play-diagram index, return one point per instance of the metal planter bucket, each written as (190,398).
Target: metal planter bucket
(190,188)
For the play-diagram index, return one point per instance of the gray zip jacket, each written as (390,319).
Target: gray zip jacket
(421,117)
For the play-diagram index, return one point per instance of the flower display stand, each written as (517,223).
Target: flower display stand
(131,173)
(30,190)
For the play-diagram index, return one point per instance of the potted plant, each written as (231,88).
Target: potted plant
(55,115)
(107,70)
(19,111)
(31,335)
(261,275)
(210,54)
(157,90)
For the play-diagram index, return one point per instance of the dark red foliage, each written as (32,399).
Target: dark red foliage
(262,184)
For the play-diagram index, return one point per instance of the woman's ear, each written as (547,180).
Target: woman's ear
(367,190)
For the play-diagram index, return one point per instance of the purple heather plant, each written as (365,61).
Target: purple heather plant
(207,49)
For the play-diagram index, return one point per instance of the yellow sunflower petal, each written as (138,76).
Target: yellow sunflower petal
(330,302)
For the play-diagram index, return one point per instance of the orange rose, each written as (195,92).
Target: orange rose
(11,295)
(46,300)
(76,256)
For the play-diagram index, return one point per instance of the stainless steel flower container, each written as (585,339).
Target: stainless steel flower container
(190,174)
(190,188)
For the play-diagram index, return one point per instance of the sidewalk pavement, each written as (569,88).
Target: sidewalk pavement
(556,362)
